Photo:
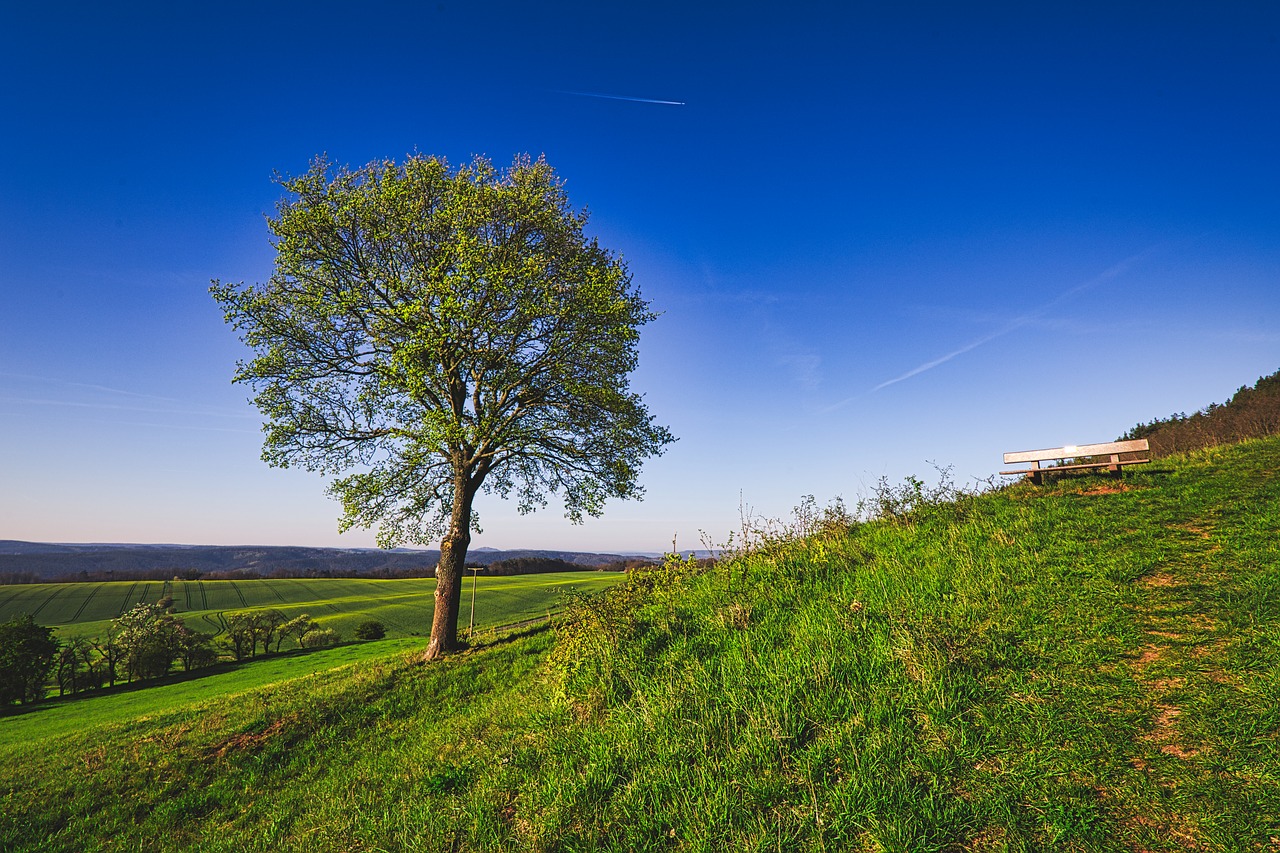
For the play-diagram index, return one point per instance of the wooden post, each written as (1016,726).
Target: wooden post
(471,629)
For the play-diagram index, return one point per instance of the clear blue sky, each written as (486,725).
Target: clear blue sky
(881,234)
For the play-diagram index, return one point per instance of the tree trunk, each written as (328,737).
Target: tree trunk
(449,571)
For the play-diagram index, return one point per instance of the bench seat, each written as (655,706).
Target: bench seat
(1111,450)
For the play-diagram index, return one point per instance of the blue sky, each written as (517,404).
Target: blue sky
(882,236)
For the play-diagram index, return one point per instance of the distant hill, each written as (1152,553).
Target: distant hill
(31,562)
(1252,412)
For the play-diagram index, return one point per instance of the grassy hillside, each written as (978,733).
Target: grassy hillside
(404,606)
(1090,665)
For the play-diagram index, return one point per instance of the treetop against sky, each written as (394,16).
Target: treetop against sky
(875,237)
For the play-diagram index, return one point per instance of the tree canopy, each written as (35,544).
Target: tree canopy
(26,655)
(430,332)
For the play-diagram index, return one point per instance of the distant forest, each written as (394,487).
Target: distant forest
(1252,412)
(32,562)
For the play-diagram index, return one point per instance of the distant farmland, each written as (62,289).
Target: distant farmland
(404,606)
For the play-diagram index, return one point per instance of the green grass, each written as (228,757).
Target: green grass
(179,693)
(404,606)
(1076,667)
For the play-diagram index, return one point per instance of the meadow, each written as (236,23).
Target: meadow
(1091,665)
(403,606)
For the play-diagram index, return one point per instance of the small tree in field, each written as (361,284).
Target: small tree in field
(27,653)
(149,639)
(110,654)
(240,638)
(429,333)
(296,628)
(266,625)
(72,665)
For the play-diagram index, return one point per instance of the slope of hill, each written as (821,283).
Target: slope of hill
(1089,665)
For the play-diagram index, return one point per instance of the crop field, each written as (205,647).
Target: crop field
(403,606)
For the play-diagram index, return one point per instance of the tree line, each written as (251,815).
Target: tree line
(147,642)
(542,565)
(171,573)
(509,566)
(1252,412)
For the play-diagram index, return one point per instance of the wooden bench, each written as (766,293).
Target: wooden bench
(1067,458)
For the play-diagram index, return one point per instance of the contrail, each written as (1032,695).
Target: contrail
(623,98)
(1019,322)
(1012,325)
(972,345)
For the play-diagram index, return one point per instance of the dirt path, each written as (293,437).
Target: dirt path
(1182,642)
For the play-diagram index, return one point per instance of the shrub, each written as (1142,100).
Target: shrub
(318,638)
(371,629)
(596,648)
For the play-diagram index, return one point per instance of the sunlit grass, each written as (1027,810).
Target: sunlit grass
(404,606)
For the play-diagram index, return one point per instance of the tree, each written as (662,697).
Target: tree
(296,628)
(72,665)
(108,648)
(240,639)
(195,648)
(150,639)
(428,333)
(27,653)
(265,625)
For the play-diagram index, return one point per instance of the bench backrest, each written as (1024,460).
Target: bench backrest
(1072,451)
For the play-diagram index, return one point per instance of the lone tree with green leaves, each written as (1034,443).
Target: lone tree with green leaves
(431,332)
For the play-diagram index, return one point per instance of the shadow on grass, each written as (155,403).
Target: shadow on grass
(487,639)
(509,634)
(497,637)
(1076,478)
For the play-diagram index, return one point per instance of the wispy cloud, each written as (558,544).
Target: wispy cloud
(120,407)
(109,398)
(48,380)
(803,363)
(197,427)
(622,98)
